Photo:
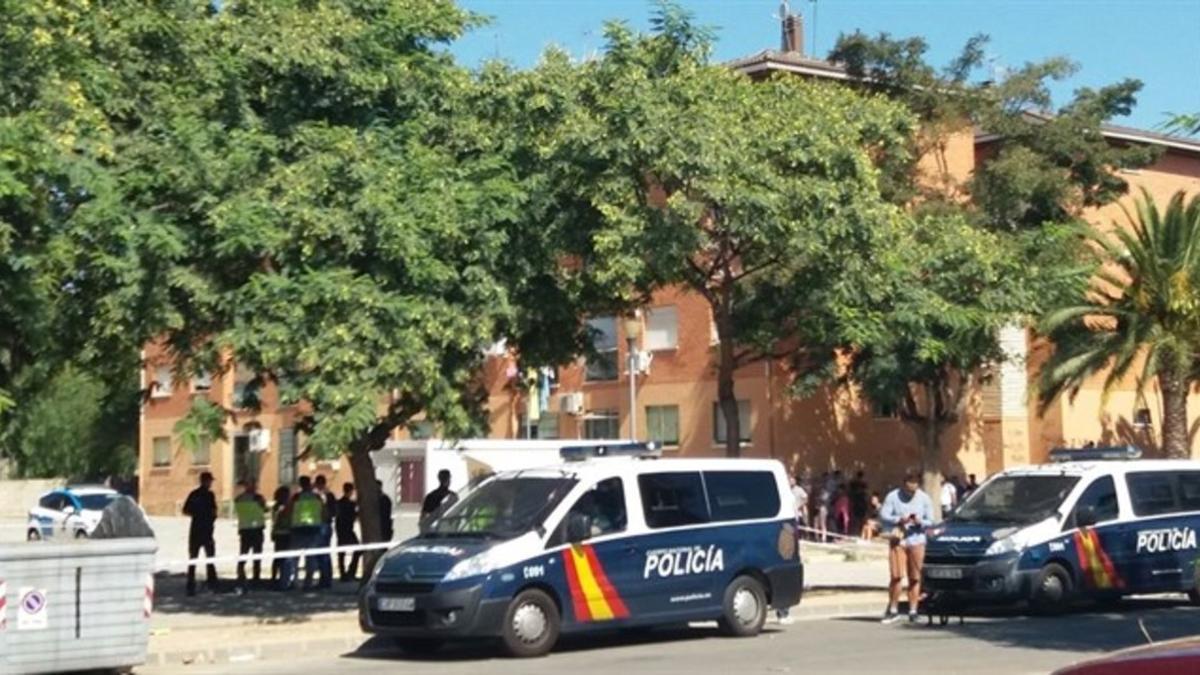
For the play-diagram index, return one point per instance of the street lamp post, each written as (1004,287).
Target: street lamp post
(633,330)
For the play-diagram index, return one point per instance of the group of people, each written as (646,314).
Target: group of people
(306,517)
(832,505)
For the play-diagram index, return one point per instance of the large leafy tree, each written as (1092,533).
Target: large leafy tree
(1142,308)
(921,344)
(661,168)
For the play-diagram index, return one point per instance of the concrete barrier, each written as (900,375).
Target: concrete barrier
(75,606)
(18,496)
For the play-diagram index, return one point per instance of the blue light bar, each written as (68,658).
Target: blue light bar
(579,453)
(1094,454)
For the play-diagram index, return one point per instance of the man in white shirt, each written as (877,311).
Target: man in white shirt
(949,496)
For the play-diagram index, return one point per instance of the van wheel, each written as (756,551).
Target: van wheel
(531,624)
(744,609)
(1051,590)
(33,535)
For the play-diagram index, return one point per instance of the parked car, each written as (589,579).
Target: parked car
(1165,658)
(72,511)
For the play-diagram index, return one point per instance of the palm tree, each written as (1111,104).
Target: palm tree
(1143,305)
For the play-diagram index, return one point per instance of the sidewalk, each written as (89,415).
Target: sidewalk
(266,625)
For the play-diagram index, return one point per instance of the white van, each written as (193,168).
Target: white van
(610,537)
(1098,523)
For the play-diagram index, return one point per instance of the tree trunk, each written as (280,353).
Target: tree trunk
(929,435)
(1174,422)
(726,397)
(363,469)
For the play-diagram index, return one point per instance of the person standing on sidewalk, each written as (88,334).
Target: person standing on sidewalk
(251,510)
(201,506)
(905,514)
(282,569)
(307,515)
(329,508)
(347,512)
(385,514)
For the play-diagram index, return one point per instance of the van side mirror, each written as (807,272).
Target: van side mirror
(579,527)
(1085,516)
(69,510)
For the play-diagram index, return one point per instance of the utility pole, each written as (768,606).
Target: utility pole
(633,330)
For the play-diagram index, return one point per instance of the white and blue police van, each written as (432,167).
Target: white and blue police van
(1094,524)
(613,537)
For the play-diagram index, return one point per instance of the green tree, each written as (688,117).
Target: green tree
(1183,124)
(1143,308)
(920,344)
(661,168)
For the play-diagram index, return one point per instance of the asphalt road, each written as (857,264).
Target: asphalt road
(996,644)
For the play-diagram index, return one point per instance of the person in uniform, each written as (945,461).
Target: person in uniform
(307,515)
(282,569)
(385,514)
(201,506)
(346,513)
(251,511)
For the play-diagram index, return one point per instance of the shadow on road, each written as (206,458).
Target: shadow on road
(1081,629)
(262,602)
(384,649)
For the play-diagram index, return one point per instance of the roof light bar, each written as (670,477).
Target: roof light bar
(579,453)
(1115,452)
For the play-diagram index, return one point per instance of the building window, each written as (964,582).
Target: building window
(662,329)
(662,424)
(1141,418)
(547,426)
(244,395)
(601,424)
(162,450)
(287,456)
(202,381)
(164,382)
(719,431)
(202,453)
(602,365)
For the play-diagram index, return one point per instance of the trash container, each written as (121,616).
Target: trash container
(75,606)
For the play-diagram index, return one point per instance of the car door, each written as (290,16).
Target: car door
(1156,550)
(601,566)
(677,572)
(1101,547)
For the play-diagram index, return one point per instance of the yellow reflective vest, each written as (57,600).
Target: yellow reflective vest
(307,510)
(251,512)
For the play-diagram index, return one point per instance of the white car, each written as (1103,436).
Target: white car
(71,511)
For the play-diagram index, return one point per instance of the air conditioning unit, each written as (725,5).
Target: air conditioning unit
(260,440)
(571,403)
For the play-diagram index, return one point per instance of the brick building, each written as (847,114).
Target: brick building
(676,397)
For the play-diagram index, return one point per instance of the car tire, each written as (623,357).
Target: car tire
(531,624)
(33,535)
(419,646)
(81,534)
(1052,590)
(744,608)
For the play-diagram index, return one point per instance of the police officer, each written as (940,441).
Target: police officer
(307,515)
(251,510)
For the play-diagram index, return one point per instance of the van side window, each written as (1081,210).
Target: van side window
(1152,493)
(1101,495)
(673,499)
(1189,490)
(741,495)
(604,506)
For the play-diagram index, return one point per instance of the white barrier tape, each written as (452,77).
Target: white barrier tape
(3,606)
(273,555)
(148,599)
(835,535)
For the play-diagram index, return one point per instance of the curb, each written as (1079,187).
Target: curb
(325,647)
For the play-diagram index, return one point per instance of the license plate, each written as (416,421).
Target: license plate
(944,572)
(397,604)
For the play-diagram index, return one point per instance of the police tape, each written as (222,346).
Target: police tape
(272,555)
(858,541)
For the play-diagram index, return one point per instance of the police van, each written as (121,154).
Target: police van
(613,537)
(1094,524)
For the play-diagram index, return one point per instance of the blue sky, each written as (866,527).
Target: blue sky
(1156,41)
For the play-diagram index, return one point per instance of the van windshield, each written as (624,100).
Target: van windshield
(1016,500)
(502,508)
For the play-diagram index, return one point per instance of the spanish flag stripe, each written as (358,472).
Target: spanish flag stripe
(597,605)
(610,594)
(578,602)
(1081,552)
(1099,578)
(1106,563)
